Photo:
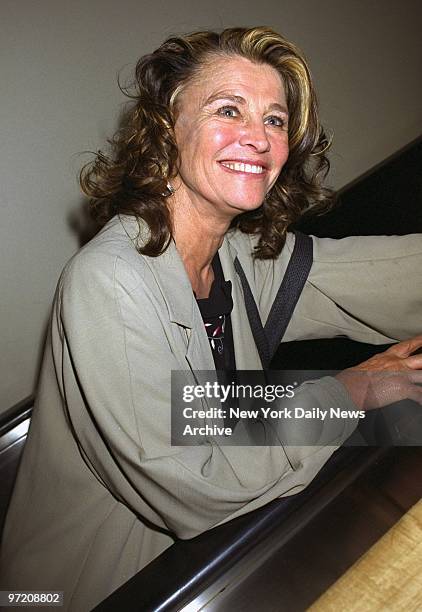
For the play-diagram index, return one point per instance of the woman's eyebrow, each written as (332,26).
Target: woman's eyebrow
(279,107)
(222,95)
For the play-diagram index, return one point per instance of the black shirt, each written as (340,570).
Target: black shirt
(215,311)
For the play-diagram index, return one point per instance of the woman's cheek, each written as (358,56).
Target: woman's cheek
(222,136)
(281,152)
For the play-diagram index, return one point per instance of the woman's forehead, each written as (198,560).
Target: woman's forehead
(235,75)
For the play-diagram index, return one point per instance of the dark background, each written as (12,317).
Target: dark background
(385,201)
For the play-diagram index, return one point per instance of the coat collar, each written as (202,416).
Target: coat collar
(170,273)
(174,284)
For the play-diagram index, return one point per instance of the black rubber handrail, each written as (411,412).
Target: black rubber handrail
(16,414)
(188,567)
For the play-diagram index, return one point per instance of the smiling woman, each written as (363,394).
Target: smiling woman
(221,151)
(208,82)
(234,144)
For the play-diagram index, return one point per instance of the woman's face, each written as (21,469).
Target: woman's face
(231,132)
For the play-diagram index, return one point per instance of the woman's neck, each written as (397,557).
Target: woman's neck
(198,238)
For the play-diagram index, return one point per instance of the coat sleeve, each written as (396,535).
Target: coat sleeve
(113,357)
(367,288)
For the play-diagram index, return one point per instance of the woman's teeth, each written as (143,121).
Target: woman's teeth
(241,167)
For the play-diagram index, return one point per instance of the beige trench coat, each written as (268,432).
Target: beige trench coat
(100,491)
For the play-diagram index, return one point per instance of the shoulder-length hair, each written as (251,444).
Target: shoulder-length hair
(133,178)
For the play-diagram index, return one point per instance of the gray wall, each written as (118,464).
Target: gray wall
(58,66)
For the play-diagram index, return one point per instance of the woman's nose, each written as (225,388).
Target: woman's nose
(254,135)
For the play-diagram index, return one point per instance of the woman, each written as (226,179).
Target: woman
(220,152)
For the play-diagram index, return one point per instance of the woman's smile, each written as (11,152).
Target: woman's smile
(244,167)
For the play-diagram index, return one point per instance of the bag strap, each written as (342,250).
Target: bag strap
(268,338)
(255,322)
(290,290)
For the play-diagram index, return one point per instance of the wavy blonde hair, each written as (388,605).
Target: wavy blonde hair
(132,178)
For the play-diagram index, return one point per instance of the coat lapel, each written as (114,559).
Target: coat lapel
(174,285)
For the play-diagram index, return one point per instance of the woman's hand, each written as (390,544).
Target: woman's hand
(387,377)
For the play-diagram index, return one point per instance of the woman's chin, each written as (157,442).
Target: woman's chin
(243,206)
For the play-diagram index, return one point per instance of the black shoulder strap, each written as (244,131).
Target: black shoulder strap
(268,338)
(290,290)
(255,322)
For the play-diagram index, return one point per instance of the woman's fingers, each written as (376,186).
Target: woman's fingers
(397,357)
(388,377)
(414,362)
(406,347)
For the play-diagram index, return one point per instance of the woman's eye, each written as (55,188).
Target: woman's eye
(228,111)
(276,121)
